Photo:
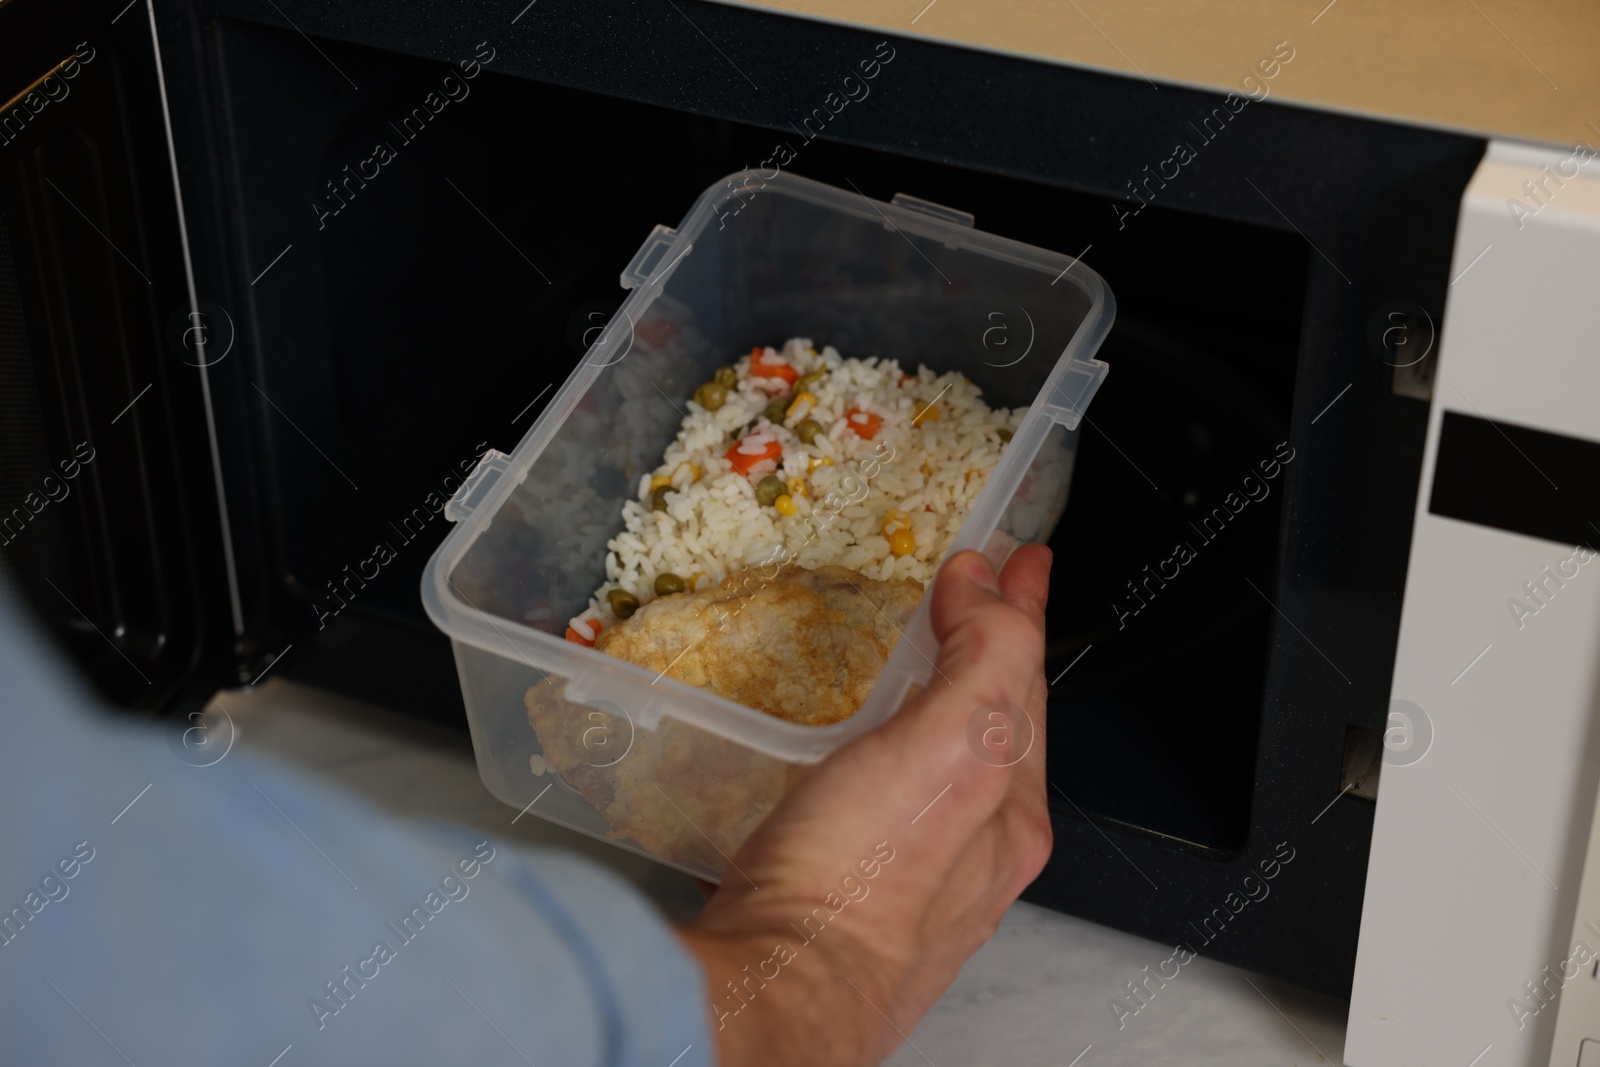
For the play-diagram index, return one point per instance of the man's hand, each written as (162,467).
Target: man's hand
(807,967)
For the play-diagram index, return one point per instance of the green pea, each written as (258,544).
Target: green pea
(776,410)
(726,377)
(807,379)
(667,583)
(808,430)
(623,603)
(711,396)
(1005,436)
(658,499)
(769,489)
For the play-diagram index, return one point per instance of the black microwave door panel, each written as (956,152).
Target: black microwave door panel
(108,520)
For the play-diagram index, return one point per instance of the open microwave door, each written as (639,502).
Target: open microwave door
(111,524)
(1473,939)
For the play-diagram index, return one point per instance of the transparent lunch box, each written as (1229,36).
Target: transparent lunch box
(644,760)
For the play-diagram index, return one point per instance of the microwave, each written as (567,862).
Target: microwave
(274,278)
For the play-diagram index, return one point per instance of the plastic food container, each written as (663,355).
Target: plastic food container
(651,763)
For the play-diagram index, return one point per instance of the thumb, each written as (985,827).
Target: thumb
(990,643)
(965,585)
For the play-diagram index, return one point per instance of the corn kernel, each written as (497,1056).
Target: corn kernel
(927,414)
(819,461)
(797,487)
(895,519)
(786,505)
(801,407)
(902,542)
(658,481)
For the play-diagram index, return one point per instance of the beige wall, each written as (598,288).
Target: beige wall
(1509,68)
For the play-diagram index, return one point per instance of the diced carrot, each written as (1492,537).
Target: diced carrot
(776,367)
(864,423)
(904,378)
(775,370)
(745,454)
(577,638)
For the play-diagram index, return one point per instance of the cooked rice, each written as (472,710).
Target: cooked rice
(928,474)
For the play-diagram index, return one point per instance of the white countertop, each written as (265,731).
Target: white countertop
(1038,994)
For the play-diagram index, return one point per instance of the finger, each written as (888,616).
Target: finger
(989,647)
(1025,580)
(965,584)
(987,669)
(1025,584)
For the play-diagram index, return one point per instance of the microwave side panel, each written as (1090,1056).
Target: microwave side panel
(1483,817)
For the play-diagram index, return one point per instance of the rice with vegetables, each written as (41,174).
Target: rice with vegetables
(805,457)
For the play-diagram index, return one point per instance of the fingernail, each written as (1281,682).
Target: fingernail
(980,573)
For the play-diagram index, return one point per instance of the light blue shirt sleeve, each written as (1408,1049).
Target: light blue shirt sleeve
(155,913)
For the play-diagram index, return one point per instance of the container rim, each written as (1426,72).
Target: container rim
(953,234)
